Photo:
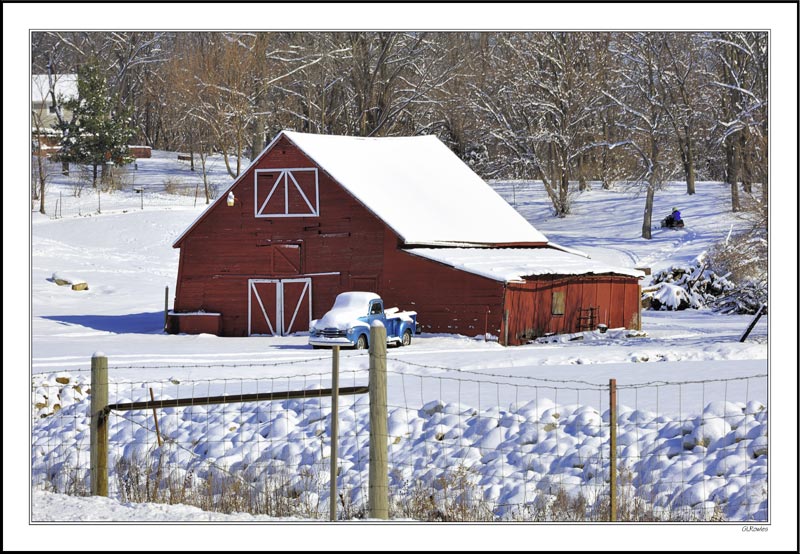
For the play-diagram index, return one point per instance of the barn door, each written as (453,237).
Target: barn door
(296,314)
(279,307)
(262,307)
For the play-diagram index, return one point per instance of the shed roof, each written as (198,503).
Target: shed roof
(514,264)
(419,188)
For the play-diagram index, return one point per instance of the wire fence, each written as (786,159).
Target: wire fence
(462,446)
(133,187)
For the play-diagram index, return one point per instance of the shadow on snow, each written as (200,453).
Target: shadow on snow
(145,322)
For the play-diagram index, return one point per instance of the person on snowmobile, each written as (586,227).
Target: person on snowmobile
(674,219)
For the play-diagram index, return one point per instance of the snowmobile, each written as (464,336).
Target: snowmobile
(669,223)
(673,220)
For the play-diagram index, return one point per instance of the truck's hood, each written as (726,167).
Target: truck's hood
(339,319)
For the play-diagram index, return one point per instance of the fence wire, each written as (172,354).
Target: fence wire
(463,446)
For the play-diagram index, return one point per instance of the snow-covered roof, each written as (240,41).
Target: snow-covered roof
(66,86)
(419,188)
(513,264)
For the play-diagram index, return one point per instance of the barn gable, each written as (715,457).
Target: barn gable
(416,185)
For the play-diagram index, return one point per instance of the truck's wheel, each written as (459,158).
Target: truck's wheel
(406,338)
(361,343)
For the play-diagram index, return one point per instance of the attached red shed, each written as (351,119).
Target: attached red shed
(316,215)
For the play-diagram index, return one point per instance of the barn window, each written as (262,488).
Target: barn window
(558,302)
(286,192)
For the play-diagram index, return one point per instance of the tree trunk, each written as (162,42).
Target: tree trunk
(205,175)
(648,210)
(747,166)
(690,189)
(732,175)
(94,175)
(563,195)
(653,181)
(582,184)
(191,150)
(42,179)
(258,134)
(228,163)
(239,141)
(606,162)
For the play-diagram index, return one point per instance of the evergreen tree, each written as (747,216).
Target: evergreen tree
(99,129)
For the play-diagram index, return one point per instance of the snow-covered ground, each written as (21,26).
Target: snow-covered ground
(48,506)
(523,420)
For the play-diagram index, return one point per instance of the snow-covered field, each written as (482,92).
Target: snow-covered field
(522,423)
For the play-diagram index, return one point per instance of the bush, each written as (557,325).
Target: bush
(731,279)
(686,286)
(745,261)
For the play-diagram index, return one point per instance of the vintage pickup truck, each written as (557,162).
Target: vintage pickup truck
(348,322)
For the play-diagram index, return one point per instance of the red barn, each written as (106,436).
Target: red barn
(316,215)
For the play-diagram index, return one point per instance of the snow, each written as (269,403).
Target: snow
(421,189)
(66,87)
(513,264)
(513,416)
(347,308)
(48,506)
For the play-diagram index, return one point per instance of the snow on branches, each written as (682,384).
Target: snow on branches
(697,286)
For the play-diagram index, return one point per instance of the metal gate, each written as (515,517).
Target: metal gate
(278,306)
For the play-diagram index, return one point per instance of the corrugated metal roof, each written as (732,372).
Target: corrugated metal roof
(514,264)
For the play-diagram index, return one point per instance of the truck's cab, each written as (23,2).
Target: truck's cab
(348,322)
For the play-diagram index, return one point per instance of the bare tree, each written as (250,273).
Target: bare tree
(742,62)
(540,107)
(533,104)
(685,100)
(644,127)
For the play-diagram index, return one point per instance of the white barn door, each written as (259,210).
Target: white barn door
(278,306)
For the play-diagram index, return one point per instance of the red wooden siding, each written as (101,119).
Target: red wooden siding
(448,300)
(194,324)
(529,304)
(229,246)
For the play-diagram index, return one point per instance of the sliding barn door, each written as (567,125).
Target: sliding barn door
(279,306)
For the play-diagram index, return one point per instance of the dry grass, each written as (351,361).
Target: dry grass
(453,497)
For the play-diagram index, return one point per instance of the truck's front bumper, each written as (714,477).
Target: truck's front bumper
(330,341)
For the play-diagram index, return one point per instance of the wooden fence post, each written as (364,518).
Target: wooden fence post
(612,421)
(98,435)
(334,429)
(378,425)
(155,418)
(750,327)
